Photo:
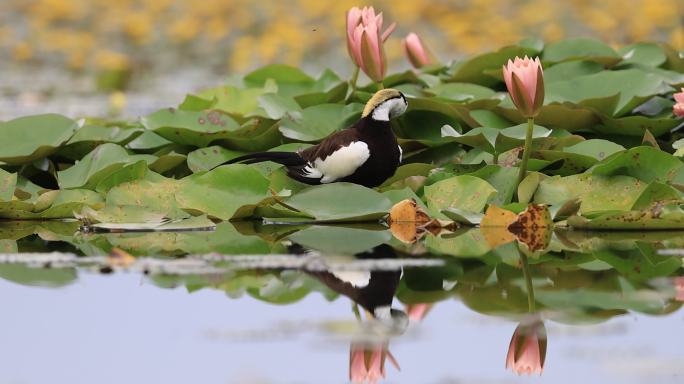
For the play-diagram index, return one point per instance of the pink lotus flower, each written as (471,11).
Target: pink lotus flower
(367,363)
(679,288)
(525,82)
(417,53)
(527,350)
(365,41)
(678,108)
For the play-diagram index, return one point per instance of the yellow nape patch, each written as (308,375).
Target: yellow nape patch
(377,99)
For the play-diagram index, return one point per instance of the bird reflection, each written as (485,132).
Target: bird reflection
(372,290)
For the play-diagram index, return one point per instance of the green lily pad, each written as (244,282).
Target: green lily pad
(204,159)
(647,54)
(461,92)
(341,202)
(89,136)
(198,129)
(238,101)
(97,165)
(644,163)
(596,193)
(33,137)
(276,106)
(8,182)
(605,85)
(318,121)
(570,69)
(581,49)
(473,70)
(464,192)
(228,192)
(291,81)
(502,179)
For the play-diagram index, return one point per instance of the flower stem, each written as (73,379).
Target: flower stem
(357,313)
(380,86)
(353,80)
(528,282)
(526,150)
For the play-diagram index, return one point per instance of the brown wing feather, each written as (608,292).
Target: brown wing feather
(330,144)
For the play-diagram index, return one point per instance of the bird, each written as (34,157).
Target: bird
(366,153)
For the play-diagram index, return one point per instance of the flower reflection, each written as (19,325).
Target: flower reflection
(417,312)
(367,362)
(527,350)
(679,287)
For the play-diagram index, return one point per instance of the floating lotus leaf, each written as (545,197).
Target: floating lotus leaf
(581,49)
(33,137)
(341,202)
(316,122)
(97,165)
(198,129)
(465,192)
(647,54)
(473,70)
(645,163)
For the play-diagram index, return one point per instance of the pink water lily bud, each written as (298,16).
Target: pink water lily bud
(525,82)
(678,108)
(417,52)
(527,350)
(367,362)
(365,41)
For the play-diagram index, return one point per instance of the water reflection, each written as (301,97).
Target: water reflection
(565,278)
(527,350)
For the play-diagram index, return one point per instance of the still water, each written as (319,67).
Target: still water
(281,310)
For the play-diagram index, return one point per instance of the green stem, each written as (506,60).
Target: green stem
(357,313)
(496,158)
(353,80)
(380,86)
(528,282)
(526,150)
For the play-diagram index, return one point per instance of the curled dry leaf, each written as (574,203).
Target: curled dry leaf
(531,227)
(408,222)
(407,211)
(494,226)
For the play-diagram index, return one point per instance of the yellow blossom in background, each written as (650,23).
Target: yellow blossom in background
(245,33)
(112,61)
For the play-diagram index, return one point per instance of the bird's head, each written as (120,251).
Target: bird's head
(385,105)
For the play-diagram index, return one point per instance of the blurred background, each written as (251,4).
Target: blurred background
(97,57)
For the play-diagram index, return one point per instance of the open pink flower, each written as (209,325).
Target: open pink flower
(678,108)
(527,350)
(416,51)
(367,363)
(365,41)
(525,82)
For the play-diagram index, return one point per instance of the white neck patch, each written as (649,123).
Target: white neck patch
(388,109)
(358,279)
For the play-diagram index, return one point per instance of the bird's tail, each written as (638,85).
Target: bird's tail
(288,159)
